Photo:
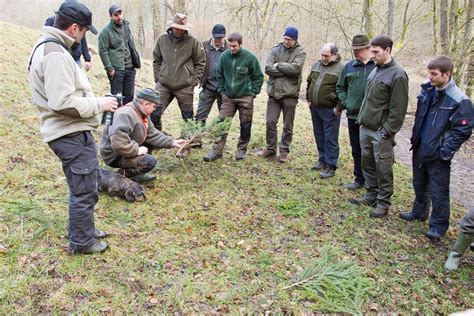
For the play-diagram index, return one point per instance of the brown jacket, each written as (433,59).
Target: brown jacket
(128,132)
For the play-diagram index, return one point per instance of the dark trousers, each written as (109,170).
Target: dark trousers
(78,155)
(185,103)
(274,108)
(206,100)
(355,149)
(229,107)
(431,183)
(326,134)
(135,166)
(123,82)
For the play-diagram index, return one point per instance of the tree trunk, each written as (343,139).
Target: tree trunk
(155,11)
(435,28)
(443,26)
(390,18)
(369,17)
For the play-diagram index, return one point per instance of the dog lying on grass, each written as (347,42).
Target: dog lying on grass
(115,184)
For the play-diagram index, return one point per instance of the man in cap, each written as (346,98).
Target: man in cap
(283,65)
(350,90)
(77,50)
(214,49)
(239,80)
(322,99)
(118,54)
(178,66)
(68,113)
(128,142)
(380,117)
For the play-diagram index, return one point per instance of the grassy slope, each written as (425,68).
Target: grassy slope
(209,238)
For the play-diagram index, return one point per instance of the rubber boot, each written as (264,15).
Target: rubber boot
(460,246)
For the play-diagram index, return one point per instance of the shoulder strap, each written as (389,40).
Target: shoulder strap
(47,40)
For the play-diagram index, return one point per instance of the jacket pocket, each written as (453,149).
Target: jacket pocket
(83,176)
(242,71)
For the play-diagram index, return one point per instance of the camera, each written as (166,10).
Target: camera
(108,117)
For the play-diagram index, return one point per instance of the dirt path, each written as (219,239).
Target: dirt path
(462,167)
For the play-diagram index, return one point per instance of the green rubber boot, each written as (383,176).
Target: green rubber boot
(460,246)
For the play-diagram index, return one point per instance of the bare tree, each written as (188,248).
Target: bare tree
(443,26)
(369,18)
(434,13)
(390,17)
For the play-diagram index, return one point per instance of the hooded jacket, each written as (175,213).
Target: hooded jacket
(284,66)
(178,62)
(60,89)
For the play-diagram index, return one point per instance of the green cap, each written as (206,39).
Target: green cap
(149,94)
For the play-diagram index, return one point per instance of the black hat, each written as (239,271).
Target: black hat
(114,8)
(218,31)
(78,13)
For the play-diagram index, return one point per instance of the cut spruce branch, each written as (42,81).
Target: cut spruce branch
(196,132)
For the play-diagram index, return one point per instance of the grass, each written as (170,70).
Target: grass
(211,237)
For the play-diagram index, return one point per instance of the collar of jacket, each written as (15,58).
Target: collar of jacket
(239,52)
(170,33)
(338,59)
(428,86)
(356,62)
(222,48)
(49,31)
(124,23)
(390,64)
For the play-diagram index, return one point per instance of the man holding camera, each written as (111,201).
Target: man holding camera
(127,143)
(68,113)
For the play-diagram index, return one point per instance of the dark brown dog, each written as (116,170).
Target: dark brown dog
(115,184)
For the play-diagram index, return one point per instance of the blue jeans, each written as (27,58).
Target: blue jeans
(431,183)
(326,134)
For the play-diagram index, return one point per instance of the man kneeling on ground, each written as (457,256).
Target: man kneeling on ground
(128,142)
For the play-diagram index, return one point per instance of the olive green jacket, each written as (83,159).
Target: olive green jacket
(386,99)
(178,62)
(111,46)
(321,88)
(284,67)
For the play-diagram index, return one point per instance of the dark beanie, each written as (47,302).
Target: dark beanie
(292,32)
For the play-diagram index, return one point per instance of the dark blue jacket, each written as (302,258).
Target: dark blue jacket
(443,121)
(76,50)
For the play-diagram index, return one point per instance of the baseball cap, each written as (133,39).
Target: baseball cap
(218,31)
(114,8)
(78,13)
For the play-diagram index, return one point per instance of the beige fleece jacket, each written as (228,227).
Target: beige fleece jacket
(61,89)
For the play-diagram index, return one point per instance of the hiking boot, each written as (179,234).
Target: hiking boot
(329,172)
(433,234)
(378,211)
(410,216)
(141,178)
(98,247)
(265,153)
(355,185)
(362,201)
(100,233)
(283,157)
(319,166)
(240,155)
(211,156)
(460,246)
